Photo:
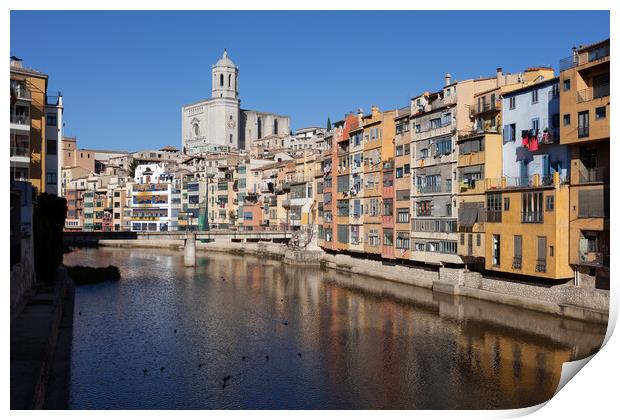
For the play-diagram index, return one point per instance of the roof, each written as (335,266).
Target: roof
(169,149)
(596,44)
(225,61)
(532,86)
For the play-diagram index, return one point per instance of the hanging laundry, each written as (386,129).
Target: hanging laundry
(525,137)
(533,145)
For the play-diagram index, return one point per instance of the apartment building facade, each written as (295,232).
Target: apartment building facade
(584,108)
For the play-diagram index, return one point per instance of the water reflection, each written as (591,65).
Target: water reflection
(364,343)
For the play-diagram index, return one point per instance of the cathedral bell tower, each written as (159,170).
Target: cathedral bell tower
(225,80)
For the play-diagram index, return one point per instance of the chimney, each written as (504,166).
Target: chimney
(16,62)
(448,78)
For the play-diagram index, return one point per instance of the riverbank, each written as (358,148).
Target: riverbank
(41,335)
(568,301)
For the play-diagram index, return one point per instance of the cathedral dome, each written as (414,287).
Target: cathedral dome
(225,61)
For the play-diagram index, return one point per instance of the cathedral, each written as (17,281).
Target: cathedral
(219,123)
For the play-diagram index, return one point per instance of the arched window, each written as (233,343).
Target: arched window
(229,76)
(221,80)
(231,139)
(275,126)
(260,128)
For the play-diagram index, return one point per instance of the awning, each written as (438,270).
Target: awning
(468,216)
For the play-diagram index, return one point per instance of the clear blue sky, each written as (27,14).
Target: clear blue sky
(125,75)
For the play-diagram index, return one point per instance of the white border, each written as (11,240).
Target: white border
(592,395)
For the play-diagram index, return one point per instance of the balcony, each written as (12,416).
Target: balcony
(541,266)
(494,216)
(591,56)
(531,216)
(590,175)
(592,93)
(516,262)
(21,151)
(483,107)
(445,128)
(21,92)
(594,259)
(20,119)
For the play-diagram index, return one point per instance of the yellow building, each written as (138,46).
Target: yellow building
(28,124)
(584,109)
(526,228)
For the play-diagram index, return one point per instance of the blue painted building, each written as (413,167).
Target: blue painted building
(531,135)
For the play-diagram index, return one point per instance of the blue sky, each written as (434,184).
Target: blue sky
(125,75)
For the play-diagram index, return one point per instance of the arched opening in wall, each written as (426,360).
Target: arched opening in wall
(236,83)
(230,138)
(229,78)
(259,123)
(275,126)
(221,80)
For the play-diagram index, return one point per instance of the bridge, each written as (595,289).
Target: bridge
(78,238)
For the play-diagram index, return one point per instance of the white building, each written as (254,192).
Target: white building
(151,198)
(219,123)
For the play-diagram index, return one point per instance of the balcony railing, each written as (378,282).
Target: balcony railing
(593,92)
(541,266)
(516,262)
(599,174)
(494,216)
(577,60)
(22,93)
(20,151)
(531,217)
(486,106)
(426,189)
(20,119)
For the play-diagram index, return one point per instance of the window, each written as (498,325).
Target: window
(506,203)
(600,113)
(512,102)
(399,172)
(583,122)
(388,207)
(496,250)
(535,96)
(443,147)
(407,168)
(373,237)
(478,239)
(531,207)
(418,128)
(402,195)
(541,258)
(399,150)
(424,208)
(52,120)
(423,153)
(402,240)
(462,239)
(402,215)
(343,234)
(435,123)
(388,237)
(494,208)
(51,177)
(566,119)
(373,207)
(343,207)
(221,80)
(566,85)
(407,149)
(517,252)
(535,124)
(549,202)
(51,147)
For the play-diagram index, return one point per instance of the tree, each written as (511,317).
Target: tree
(132,168)
(329,124)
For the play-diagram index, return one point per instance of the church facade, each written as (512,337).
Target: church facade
(219,123)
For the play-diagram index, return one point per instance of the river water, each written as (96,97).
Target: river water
(301,338)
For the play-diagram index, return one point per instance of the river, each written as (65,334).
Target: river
(165,337)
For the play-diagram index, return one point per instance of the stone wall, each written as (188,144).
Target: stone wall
(564,300)
(22,273)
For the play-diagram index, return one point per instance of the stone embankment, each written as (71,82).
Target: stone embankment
(565,300)
(41,334)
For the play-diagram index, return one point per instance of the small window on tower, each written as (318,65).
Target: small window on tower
(221,80)
(229,76)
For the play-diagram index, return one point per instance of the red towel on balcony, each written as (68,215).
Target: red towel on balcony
(533,145)
(525,138)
